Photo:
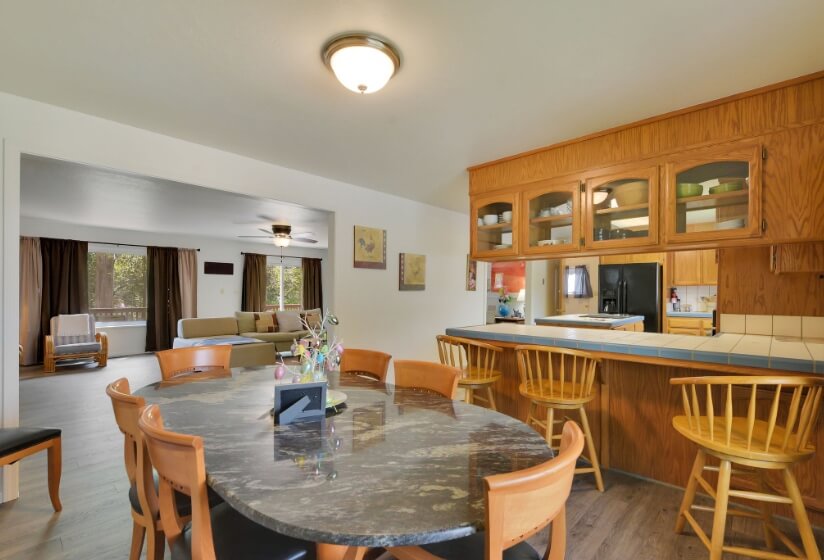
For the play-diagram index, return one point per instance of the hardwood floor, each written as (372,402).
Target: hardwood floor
(632,519)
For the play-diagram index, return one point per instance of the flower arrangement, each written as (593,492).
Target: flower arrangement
(316,353)
(504,297)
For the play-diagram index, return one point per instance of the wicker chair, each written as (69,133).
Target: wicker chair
(60,345)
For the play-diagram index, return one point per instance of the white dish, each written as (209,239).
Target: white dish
(507,216)
(544,242)
(545,212)
(480,221)
(504,246)
(490,219)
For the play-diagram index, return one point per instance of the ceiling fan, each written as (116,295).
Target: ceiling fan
(281,235)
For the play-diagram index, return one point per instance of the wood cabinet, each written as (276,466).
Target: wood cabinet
(552,218)
(713,193)
(494,226)
(633,258)
(797,257)
(622,209)
(770,201)
(694,326)
(694,268)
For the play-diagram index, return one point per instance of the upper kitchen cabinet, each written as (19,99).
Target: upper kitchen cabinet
(622,209)
(494,230)
(552,218)
(714,194)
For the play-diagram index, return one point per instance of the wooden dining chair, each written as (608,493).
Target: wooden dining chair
(195,362)
(758,424)
(518,505)
(21,442)
(366,362)
(559,379)
(430,376)
(142,492)
(217,534)
(476,360)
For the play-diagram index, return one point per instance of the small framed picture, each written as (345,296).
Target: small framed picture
(471,274)
(370,248)
(412,272)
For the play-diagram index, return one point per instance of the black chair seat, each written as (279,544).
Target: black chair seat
(474,547)
(13,440)
(184,502)
(237,538)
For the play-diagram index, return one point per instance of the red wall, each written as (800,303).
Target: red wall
(514,275)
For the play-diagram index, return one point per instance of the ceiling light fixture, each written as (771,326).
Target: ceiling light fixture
(280,241)
(362,63)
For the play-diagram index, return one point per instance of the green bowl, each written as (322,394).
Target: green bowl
(726,187)
(684,190)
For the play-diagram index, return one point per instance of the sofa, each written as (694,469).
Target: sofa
(249,347)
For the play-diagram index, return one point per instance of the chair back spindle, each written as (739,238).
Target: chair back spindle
(475,359)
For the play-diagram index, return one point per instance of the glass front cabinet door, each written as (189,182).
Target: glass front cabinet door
(552,218)
(714,194)
(622,209)
(492,220)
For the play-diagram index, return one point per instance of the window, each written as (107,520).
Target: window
(284,286)
(117,285)
(577,282)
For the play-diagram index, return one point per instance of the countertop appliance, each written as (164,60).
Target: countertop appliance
(633,289)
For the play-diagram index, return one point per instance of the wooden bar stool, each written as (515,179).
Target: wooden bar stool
(773,431)
(18,443)
(476,360)
(559,379)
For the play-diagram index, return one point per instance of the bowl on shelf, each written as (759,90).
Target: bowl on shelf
(507,216)
(727,187)
(544,242)
(502,246)
(544,212)
(490,219)
(630,194)
(684,190)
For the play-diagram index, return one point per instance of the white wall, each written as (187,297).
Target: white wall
(373,312)
(217,295)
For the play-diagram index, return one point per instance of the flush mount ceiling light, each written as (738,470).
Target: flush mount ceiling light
(362,63)
(281,235)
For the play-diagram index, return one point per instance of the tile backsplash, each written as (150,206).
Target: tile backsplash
(773,325)
(692,295)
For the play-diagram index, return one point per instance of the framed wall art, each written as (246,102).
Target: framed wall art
(412,272)
(471,274)
(370,248)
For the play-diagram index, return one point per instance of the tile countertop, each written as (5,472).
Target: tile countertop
(690,314)
(583,320)
(768,352)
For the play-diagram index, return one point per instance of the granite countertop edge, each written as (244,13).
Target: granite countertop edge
(571,339)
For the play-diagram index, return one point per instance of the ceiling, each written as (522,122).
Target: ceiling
(480,79)
(80,194)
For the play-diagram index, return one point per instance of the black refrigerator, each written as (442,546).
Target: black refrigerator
(631,289)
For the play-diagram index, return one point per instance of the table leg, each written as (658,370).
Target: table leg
(340,552)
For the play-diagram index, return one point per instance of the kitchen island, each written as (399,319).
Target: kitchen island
(631,415)
(633,323)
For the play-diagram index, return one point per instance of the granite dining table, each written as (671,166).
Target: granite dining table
(392,467)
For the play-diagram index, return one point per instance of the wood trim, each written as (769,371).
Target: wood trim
(677,112)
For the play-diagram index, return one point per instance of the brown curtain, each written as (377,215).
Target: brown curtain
(31,292)
(188,282)
(65,281)
(312,285)
(163,297)
(254,283)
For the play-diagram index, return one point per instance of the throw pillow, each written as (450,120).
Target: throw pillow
(288,321)
(265,322)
